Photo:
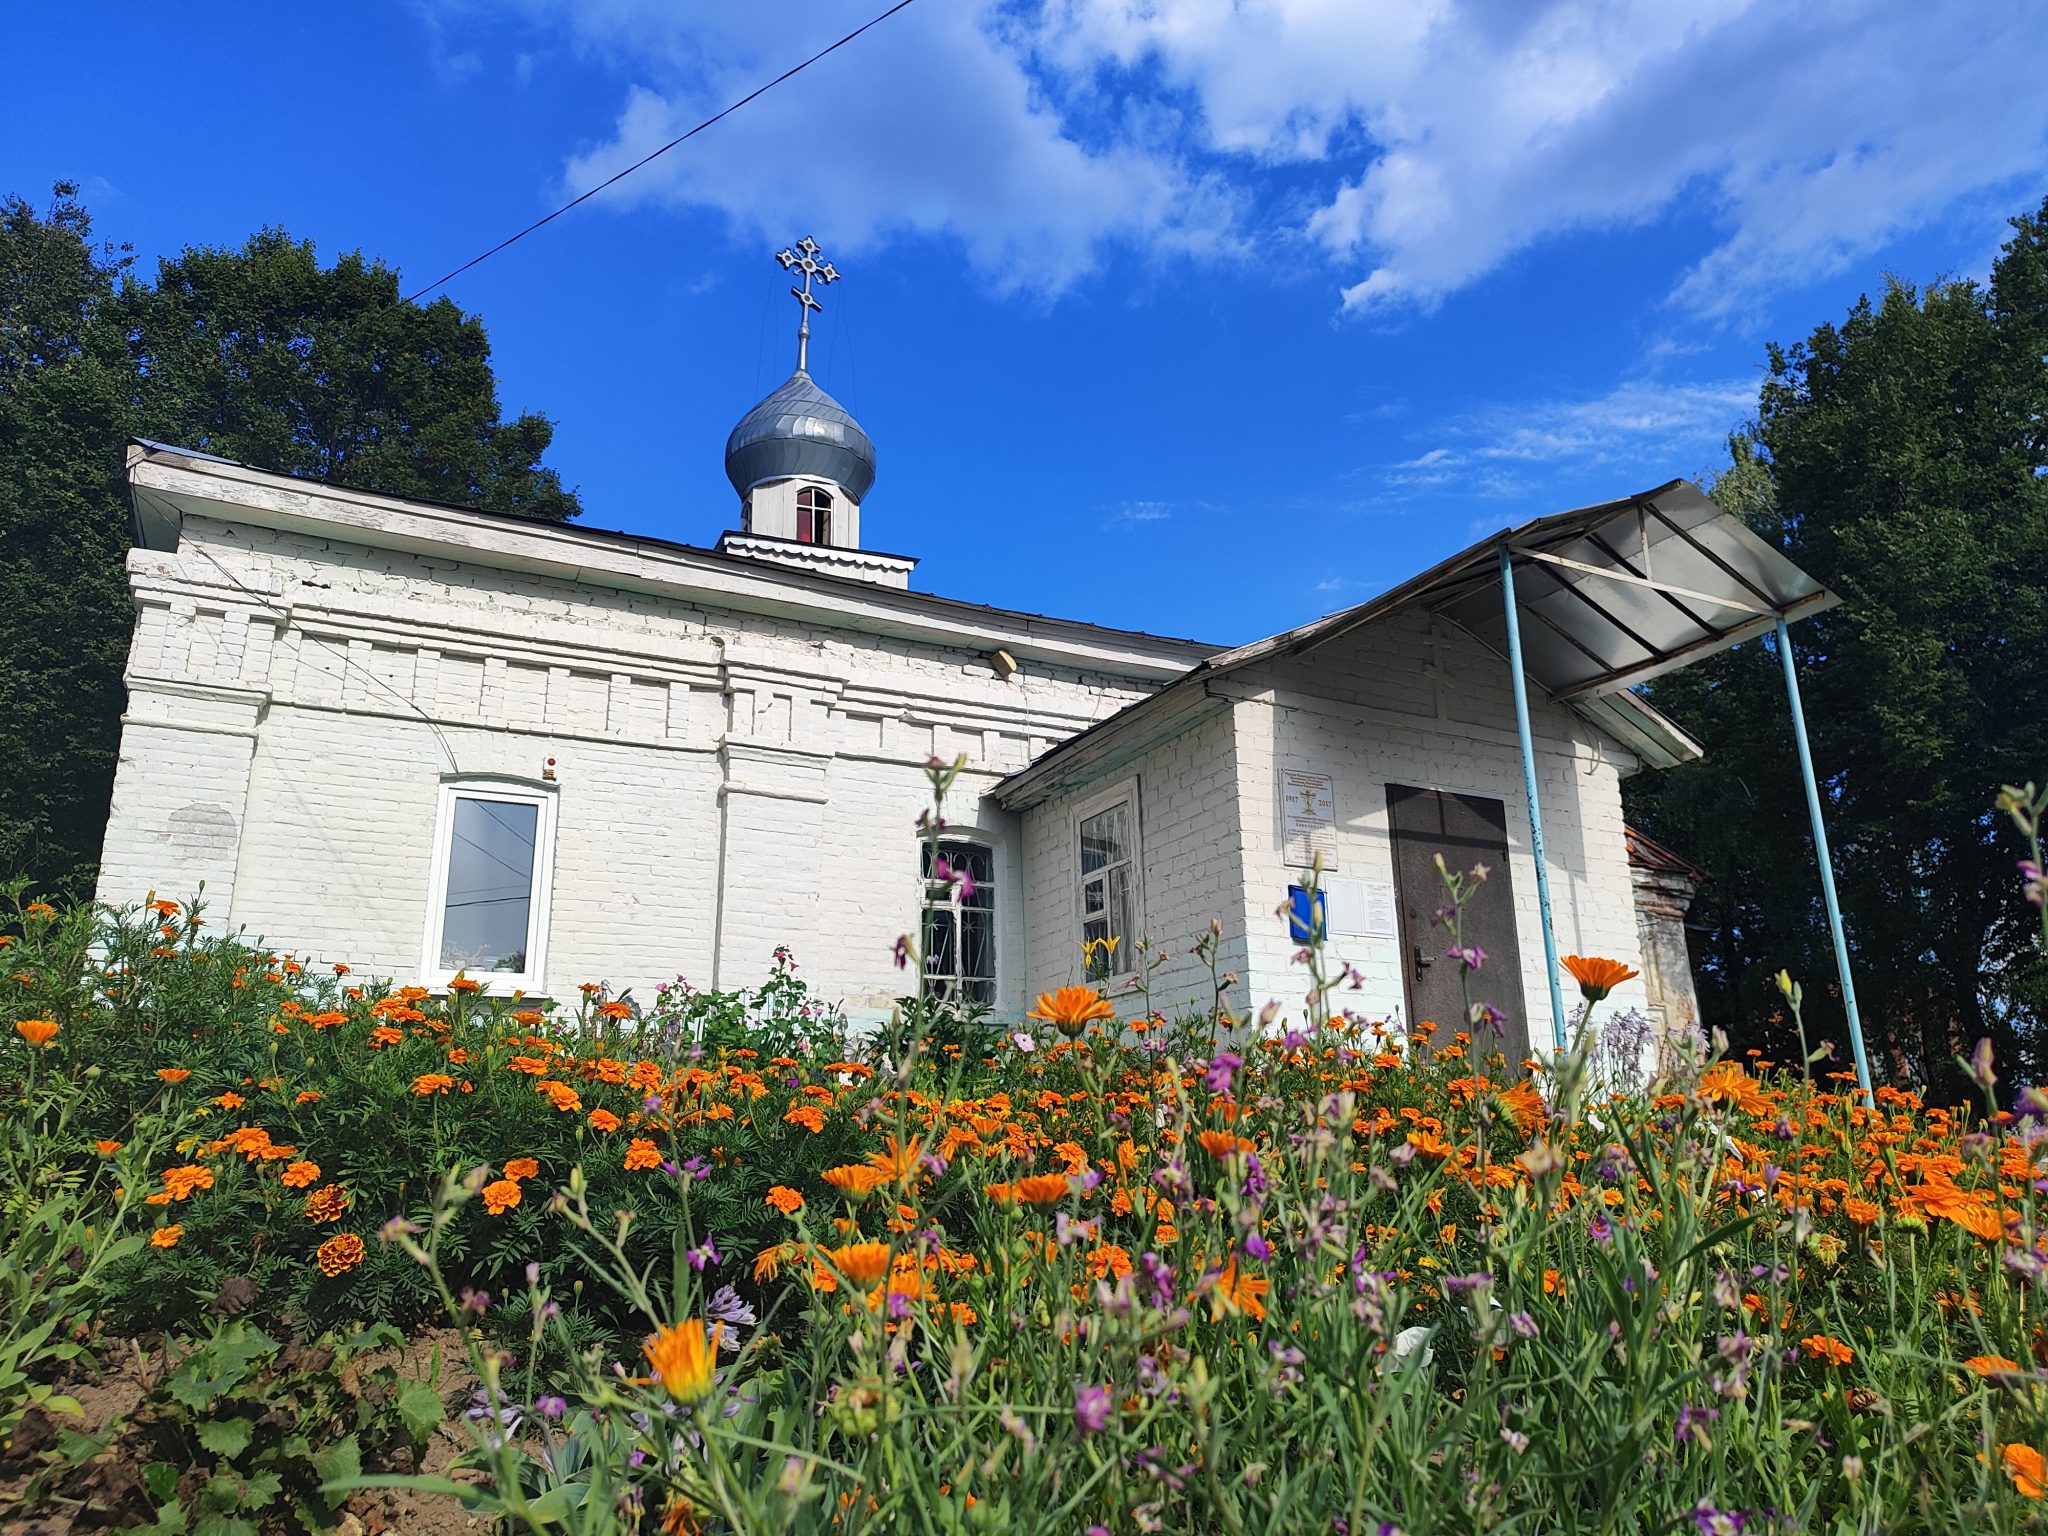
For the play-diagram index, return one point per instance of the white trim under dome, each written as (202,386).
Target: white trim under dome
(832,559)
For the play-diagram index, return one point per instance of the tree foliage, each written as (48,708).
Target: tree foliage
(260,355)
(1902,457)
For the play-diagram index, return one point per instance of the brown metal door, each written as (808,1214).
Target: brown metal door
(1466,830)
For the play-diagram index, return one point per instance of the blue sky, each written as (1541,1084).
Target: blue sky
(1186,315)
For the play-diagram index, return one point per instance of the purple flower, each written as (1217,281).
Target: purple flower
(1158,1278)
(1693,1423)
(551,1408)
(1464,1285)
(1220,1071)
(704,1256)
(1256,1247)
(1599,1228)
(697,1168)
(1470,956)
(1092,1409)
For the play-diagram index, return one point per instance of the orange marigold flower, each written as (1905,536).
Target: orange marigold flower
(2025,1466)
(1042,1189)
(501,1196)
(429,1083)
(305,1171)
(1821,1347)
(229,1100)
(1524,1106)
(1862,1212)
(384,1035)
(1071,1010)
(464,984)
(854,1179)
(682,1356)
(339,1254)
(809,1116)
(861,1263)
(1429,1144)
(604,1120)
(166,1237)
(784,1199)
(1596,977)
(326,1203)
(615,1010)
(173,1074)
(561,1095)
(183,1182)
(37,1032)
(106,1148)
(642,1154)
(522,1168)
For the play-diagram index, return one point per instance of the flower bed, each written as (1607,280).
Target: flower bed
(1127,1280)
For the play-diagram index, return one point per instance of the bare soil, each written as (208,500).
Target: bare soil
(39,1497)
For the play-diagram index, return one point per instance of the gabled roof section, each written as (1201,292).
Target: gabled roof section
(1609,597)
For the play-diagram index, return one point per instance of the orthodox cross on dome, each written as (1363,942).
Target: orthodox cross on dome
(803,257)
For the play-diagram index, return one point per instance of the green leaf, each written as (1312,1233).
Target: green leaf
(419,1405)
(339,1462)
(161,1479)
(217,1522)
(227,1438)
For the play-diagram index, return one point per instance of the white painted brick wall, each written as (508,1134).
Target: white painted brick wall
(296,704)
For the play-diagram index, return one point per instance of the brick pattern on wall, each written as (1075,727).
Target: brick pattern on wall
(727,782)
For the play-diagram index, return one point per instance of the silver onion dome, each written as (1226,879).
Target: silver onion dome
(800,430)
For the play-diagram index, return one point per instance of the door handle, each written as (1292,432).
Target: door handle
(1422,962)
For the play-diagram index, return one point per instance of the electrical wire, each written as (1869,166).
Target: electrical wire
(762,90)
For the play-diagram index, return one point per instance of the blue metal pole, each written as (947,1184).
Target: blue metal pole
(1820,849)
(1507,588)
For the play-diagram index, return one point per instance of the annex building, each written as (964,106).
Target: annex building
(428,740)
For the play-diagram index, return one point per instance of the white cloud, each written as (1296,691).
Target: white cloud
(1412,145)
(1668,428)
(1460,134)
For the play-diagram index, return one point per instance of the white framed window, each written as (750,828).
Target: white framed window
(491,884)
(960,920)
(1108,898)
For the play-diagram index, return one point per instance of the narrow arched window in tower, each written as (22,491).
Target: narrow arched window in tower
(813,516)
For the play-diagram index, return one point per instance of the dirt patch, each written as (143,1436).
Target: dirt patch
(41,1496)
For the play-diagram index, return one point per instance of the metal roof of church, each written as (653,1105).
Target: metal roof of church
(798,429)
(1624,591)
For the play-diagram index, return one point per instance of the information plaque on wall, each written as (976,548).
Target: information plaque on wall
(1308,818)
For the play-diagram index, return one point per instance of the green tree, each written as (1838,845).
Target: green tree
(264,356)
(64,611)
(259,355)
(1902,457)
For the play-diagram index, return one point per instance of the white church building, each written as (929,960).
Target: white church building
(426,740)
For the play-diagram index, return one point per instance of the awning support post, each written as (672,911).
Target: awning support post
(1521,690)
(1820,849)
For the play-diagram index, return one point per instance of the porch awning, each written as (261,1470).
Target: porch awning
(1609,596)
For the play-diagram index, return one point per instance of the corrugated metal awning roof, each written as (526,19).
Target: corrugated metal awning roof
(1610,596)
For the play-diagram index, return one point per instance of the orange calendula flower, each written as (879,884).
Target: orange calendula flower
(429,1083)
(1042,1189)
(854,1179)
(501,1195)
(173,1074)
(1221,1144)
(682,1357)
(522,1168)
(1989,1366)
(604,1120)
(305,1171)
(1071,1010)
(1596,977)
(861,1263)
(1239,1293)
(106,1148)
(166,1237)
(2025,1466)
(1820,1346)
(339,1254)
(642,1155)
(784,1199)
(1524,1106)
(37,1032)
(326,1203)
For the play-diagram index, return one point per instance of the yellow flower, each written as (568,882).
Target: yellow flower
(682,1356)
